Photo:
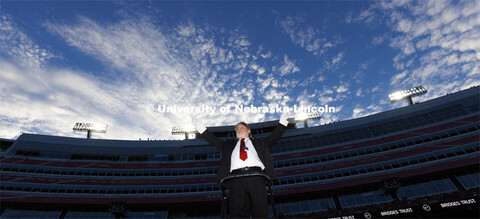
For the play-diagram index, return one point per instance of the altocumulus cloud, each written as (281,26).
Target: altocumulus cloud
(149,65)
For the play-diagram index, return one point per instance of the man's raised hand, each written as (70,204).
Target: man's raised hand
(198,124)
(284,118)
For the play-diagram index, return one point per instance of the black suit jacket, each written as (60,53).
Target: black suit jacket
(262,146)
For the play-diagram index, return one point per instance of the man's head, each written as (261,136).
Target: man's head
(242,130)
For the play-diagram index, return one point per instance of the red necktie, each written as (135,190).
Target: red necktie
(243,152)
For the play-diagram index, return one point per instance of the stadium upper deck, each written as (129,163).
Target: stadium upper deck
(339,165)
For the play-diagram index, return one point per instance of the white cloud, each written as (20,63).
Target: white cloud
(359,92)
(288,67)
(335,62)
(305,36)
(337,58)
(438,42)
(181,66)
(360,111)
(379,39)
(186,30)
(16,44)
(343,87)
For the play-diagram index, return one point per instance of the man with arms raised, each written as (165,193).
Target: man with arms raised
(246,156)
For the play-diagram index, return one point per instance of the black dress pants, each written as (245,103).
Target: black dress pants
(247,197)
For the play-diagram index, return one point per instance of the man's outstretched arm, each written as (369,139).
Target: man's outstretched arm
(278,131)
(202,130)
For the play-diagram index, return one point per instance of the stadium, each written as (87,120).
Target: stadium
(417,161)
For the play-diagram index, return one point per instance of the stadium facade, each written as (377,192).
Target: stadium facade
(415,161)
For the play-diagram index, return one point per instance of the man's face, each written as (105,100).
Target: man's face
(242,131)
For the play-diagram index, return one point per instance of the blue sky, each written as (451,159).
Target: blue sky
(63,62)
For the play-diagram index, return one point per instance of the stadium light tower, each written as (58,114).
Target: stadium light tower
(89,128)
(407,94)
(305,117)
(184,130)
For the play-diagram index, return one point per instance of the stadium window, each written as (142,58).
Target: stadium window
(369,150)
(414,161)
(359,134)
(453,133)
(163,189)
(418,141)
(27,153)
(460,152)
(363,134)
(362,170)
(472,129)
(309,161)
(306,179)
(393,147)
(305,206)
(462,130)
(422,160)
(290,180)
(431,157)
(404,163)
(214,171)
(445,135)
(396,164)
(293,163)
(301,162)
(208,188)
(387,166)
(450,154)
(337,174)
(329,175)
(199,188)
(370,169)
(470,150)
(200,156)
(440,155)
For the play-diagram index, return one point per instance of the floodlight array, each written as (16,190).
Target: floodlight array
(84,127)
(181,130)
(404,94)
(307,116)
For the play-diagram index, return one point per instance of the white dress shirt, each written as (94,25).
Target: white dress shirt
(252,161)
